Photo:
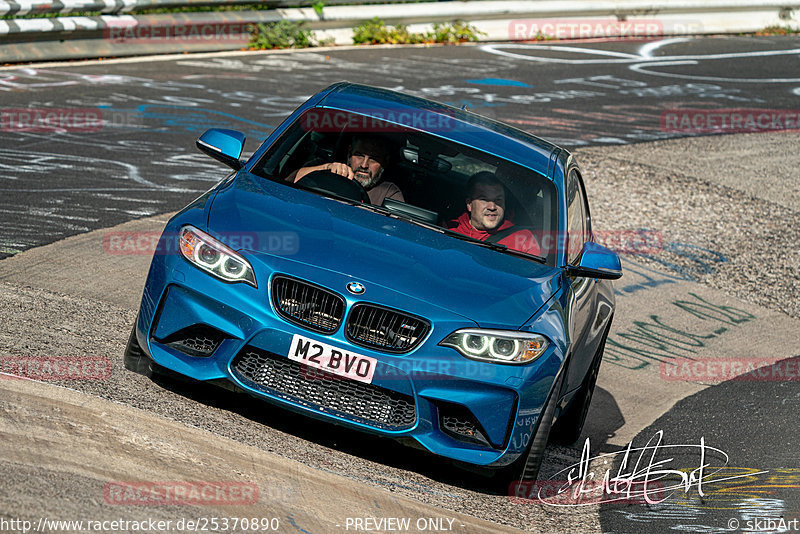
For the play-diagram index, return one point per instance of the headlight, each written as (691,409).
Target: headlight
(497,345)
(213,257)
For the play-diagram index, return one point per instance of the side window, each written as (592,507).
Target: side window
(577,217)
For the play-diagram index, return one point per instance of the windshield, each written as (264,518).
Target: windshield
(440,185)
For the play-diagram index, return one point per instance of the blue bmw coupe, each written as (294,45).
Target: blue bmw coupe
(395,266)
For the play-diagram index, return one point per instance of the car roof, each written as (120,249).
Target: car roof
(450,123)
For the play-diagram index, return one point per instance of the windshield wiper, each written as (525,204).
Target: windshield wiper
(403,217)
(495,246)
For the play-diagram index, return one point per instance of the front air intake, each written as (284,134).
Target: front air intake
(461,424)
(197,340)
(324,392)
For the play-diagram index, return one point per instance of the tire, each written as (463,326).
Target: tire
(526,469)
(570,423)
(135,359)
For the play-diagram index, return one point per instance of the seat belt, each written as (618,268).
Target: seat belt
(502,234)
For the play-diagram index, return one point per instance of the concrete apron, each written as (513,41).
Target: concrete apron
(672,338)
(658,318)
(61,432)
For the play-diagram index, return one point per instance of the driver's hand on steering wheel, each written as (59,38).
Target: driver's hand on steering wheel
(341,169)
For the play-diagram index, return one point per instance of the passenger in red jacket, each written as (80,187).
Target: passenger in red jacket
(485,216)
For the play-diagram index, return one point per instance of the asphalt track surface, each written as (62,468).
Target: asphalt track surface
(73,297)
(142,161)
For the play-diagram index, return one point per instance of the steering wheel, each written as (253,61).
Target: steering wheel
(334,184)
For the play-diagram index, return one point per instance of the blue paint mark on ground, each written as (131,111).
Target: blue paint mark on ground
(171,118)
(470,104)
(292,522)
(643,278)
(499,81)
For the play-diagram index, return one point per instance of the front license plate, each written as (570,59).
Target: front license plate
(331,359)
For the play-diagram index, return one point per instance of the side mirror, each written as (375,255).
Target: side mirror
(597,262)
(223,145)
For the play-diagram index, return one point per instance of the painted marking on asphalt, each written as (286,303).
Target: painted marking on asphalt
(648,49)
(499,81)
(642,62)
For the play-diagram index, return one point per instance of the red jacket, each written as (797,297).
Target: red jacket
(522,240)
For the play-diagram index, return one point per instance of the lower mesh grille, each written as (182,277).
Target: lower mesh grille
(325,392)
(197,340)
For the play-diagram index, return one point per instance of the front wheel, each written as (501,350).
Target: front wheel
(135,359)
(570,423)
(526,469)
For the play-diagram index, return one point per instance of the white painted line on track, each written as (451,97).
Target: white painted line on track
(648,49)
(642,62)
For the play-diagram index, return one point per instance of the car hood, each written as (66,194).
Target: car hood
(326,241)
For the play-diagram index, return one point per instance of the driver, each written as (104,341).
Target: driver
(485,219)
(366,157)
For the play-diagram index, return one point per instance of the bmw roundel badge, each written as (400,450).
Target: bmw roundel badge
(356,288)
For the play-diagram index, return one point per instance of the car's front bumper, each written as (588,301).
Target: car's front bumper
(476,412)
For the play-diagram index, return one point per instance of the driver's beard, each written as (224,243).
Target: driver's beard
(372,181)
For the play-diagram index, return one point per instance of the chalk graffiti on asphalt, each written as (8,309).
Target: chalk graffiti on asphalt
(643,62)
(641,278)
(698,260)
(31,78)
(748,493)
(320,68)
(653,340)
(167,118)
(575,127)
(683,261)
